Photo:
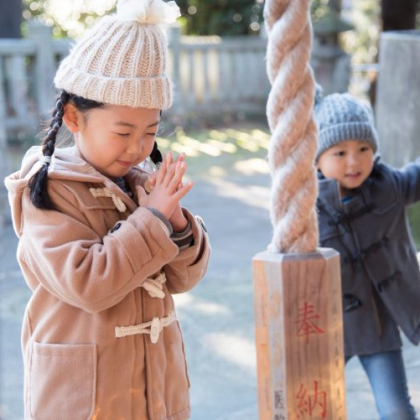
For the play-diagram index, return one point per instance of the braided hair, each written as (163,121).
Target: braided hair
(38,184)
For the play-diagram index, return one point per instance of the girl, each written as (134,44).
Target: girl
(361,207)
(102,256)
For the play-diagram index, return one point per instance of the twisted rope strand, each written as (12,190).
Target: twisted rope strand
(290,116)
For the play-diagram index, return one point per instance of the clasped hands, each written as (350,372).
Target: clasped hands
(167,190)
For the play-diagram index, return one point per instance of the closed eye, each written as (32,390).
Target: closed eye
(123,134)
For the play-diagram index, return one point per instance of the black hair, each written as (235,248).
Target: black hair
(38,184)
(156,156)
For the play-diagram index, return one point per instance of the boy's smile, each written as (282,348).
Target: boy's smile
(350,162)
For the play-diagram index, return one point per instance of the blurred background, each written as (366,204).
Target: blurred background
(217,62)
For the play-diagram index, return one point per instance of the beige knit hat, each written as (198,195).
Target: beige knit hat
(123,59)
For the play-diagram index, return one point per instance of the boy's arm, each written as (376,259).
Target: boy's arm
(408,182)
(190,265)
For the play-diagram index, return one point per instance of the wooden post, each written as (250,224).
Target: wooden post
(299,339)
(398,97)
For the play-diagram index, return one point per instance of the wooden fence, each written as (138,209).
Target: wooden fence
(211,75)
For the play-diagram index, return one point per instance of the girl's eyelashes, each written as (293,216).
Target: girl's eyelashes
(128,134)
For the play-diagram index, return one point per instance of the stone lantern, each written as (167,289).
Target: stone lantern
(330,63)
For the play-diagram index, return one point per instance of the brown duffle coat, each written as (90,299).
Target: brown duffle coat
(87,264)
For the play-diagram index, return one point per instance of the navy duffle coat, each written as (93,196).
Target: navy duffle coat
(380,272)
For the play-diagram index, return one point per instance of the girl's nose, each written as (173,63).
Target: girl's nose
(133,147)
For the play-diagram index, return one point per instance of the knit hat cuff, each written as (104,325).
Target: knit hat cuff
(148,92)
(335,134)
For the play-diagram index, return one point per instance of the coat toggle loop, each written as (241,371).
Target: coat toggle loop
(153,328)
(106,192)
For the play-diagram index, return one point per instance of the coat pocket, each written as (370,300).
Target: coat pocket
(62,381)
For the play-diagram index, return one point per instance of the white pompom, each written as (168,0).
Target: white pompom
(148,11)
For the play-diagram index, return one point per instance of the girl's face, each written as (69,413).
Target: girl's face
(349,162)
(113,138)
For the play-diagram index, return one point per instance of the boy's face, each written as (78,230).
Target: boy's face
(349,162)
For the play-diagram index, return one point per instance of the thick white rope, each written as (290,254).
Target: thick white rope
(294,137)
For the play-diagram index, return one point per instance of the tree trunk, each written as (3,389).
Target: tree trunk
(399,14)
(10,18)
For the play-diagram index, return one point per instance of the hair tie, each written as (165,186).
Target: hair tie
(45,159)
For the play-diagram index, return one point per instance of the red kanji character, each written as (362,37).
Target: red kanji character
(306,325)
(311,404)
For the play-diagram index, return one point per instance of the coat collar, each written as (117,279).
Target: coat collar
(329,196)
(67,164)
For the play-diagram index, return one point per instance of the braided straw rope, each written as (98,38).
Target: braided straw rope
(293,142)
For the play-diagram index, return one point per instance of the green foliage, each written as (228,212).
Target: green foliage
(67,20)
(414,221)
(200,17)
(217,17)
(221,17)
(318,8)
(362,41)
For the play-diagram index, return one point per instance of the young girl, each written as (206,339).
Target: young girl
(102,246)
(361,207)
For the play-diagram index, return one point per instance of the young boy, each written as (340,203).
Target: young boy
(361,206)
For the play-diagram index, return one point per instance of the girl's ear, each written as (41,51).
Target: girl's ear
(72,118)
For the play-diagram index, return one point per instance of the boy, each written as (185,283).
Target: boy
(361,206)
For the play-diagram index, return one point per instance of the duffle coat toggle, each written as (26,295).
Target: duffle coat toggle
(153,328)
(362,254)
(154,286)
(106,192)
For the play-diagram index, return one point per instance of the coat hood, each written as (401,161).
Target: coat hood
(66,164)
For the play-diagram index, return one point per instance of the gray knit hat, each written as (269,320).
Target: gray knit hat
(342,117)
(122,60)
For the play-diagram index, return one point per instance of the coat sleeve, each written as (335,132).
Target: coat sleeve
(190,265)
(408,182)
(83,269)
